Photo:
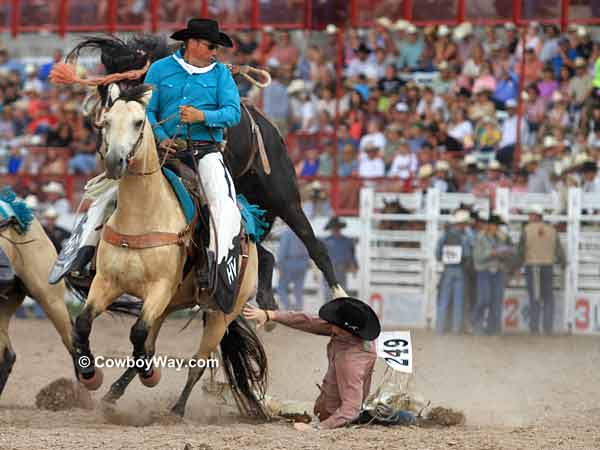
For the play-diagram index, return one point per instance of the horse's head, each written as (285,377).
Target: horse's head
(124,127)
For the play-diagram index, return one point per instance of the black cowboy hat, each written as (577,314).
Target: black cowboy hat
(203,29)
(352,315)
(335,222)
(496,219)
(362,48)
(589,166)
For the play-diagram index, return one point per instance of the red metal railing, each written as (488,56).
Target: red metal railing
(63,16)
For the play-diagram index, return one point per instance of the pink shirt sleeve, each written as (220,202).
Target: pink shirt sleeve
(301,321)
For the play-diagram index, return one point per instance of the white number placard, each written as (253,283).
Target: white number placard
(395,347)
(451,254)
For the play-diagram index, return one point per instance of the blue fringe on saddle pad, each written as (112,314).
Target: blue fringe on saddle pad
(185,200)
(9,207)
(256,226)
(252,215)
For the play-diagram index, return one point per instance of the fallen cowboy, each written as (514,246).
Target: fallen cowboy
(353,327)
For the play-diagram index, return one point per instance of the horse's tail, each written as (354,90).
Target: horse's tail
(245,365)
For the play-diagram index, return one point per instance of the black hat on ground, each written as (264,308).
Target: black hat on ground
(352,315)
(335,222)
(207,29)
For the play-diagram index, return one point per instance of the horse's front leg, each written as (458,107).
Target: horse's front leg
(117,389)
(102,294)
(145,330)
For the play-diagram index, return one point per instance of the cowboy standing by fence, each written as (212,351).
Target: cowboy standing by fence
(195,98)
(539,248)
(492,254)
(454,250)
(342,254)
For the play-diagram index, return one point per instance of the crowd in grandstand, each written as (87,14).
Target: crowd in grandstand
(418,107)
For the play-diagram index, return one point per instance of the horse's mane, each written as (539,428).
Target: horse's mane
(134,94)
(118,55)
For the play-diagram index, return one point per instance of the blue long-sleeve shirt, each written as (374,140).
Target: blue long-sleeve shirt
(213,92)
(507,88)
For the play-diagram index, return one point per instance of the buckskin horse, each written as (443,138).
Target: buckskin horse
(275,191)
(31,255)
(143,252)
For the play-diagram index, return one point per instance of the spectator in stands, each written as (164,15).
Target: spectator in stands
(361,64)
(507,88)
(309,165)
(342,254)
(404,164)
(45,69)
(539,249)
(453,249)
(293,262)
(506,147)
(566,56)
(411,50)
(57,234)
(371,164)
(84,146)
(533,66)
(276,101)
(589,174)
(349,163)
(55,198)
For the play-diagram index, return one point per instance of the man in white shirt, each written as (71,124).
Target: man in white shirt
(404,164)
(371,164)
(374,137)
(506,147)
(362,65)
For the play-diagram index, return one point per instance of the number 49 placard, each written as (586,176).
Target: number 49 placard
(395,347)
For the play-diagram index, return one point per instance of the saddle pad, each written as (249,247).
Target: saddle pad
(185,200)
(10,208)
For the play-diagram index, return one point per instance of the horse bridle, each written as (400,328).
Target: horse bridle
(135,147)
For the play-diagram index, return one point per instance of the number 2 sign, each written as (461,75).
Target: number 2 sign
(395,347)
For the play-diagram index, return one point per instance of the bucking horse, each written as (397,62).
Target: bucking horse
(262,171)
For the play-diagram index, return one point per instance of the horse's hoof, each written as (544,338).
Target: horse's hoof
(93,383)
(151,380)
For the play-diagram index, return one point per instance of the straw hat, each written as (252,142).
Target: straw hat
(495,165)
(462,31)
(32,201)
(331,29)
(442,165)
(384,22)
(401,25)
(54,187)
(443,31)
(411,29)
(296,86)
(580,62)
(550,141)
(469,160)
(582,31)
(425,171)
(460,216)
(536,209)
(50,213)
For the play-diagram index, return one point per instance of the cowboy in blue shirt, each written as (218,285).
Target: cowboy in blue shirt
(195,98)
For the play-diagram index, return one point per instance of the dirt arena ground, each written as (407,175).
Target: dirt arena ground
(517,392)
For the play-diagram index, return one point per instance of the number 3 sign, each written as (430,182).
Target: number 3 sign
(395,347)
